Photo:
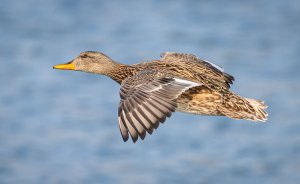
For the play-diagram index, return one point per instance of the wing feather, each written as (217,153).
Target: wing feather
(147,99)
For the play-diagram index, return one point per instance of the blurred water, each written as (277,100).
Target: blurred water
(61,127)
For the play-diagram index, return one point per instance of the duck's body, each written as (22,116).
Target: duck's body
(151,91)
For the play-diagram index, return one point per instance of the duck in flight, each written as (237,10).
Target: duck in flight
(151,91)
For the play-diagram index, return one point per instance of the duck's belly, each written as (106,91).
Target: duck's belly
(199,100)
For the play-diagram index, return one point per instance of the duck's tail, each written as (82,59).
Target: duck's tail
(245,108)
(259,113)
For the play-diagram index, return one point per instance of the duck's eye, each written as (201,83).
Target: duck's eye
(84,56)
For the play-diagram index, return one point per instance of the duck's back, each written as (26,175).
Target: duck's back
(213,96)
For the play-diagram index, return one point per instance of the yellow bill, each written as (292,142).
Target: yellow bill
(67,66)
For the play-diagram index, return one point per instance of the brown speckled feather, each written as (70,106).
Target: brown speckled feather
(200,100)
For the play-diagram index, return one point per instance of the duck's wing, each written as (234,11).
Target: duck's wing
(203,67)
(147,98)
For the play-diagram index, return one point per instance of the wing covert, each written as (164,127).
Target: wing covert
(207,68)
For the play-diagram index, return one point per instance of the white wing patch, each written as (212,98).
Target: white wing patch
(214,65)
(190,83)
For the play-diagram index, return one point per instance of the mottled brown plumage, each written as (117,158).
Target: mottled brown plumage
(151,91)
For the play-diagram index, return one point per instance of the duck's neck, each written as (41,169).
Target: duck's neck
(120,72)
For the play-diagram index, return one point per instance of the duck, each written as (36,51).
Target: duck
(151,91)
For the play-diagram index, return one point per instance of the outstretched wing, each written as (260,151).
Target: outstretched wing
(147,98)
(205,67)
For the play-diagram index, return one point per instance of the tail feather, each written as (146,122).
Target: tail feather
(259,114)
(245,108)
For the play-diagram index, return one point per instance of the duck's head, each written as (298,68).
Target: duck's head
(89,61)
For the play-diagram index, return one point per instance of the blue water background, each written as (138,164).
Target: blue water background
(61,126)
